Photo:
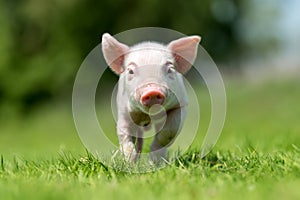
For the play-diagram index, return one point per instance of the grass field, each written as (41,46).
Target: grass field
(256,157)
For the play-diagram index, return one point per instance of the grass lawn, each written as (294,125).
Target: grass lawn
(256,157)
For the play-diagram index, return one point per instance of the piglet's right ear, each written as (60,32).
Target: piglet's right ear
(114,52)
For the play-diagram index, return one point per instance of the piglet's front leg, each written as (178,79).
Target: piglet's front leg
(130,138)
(126,140)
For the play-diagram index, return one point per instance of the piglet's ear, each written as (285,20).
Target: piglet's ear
(184,51)
(114,52)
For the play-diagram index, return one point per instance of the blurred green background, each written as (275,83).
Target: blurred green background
(43,43)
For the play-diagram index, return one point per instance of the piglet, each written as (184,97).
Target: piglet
(150,87)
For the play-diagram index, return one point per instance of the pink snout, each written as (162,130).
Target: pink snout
(152,97)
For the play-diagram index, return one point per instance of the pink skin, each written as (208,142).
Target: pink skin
(151,97)
(150,74)
(150,94)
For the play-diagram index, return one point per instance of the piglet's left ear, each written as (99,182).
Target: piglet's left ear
(184,51)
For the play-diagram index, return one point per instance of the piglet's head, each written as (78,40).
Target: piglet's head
(150,71)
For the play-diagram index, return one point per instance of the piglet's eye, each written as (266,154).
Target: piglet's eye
(130,71)
(131,67)
(171,70)
(170,67)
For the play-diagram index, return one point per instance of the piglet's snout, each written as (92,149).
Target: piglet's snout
(151,97)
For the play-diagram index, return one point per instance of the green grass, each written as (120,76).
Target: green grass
(256,157)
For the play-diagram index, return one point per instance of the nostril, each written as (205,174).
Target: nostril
(152,97)
(160,97)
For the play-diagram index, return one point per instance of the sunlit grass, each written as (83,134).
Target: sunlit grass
(218,175)
(256,157)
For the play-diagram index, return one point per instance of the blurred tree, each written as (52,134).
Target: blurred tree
(44,42)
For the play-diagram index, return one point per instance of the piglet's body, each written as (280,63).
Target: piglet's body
(150,87)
